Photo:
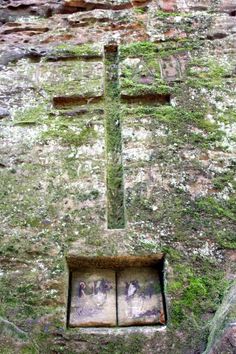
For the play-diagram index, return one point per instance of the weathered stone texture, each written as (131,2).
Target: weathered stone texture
(93,299)
(176,95)
(139,297)
(227,343)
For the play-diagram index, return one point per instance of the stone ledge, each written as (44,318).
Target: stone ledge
(146,330)
(114,262)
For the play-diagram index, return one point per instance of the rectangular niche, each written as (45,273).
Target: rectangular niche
(116,291)
(93,295)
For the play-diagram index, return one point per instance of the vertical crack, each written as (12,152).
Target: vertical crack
(114,170)
(69,299)
(117,303)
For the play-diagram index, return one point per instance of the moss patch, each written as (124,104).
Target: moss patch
(115,187)
(207,73)
(70,137)
(150,50)
(83,50)
(34,115)
(198,290)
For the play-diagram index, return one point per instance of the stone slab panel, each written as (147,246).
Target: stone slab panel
(173,67)
(93,299)
(139,297)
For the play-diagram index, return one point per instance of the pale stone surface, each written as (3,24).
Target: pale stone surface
(4,113)
(227,5)
(103,3)
(93,299)
(139,297)
(222,26)
(70,78)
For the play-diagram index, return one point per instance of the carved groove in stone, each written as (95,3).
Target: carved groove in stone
(121,295)
(67,101)
(88,5)
(114,177)
(147,98)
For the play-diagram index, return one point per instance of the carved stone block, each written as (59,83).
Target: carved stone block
(139,297)
(93,298)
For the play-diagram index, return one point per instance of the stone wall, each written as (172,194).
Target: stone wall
(145,139)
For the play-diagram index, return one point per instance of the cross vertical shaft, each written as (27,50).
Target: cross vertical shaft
(114,170)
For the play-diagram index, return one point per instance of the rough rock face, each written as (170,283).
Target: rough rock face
(222,338)
(117,141)
(227,343)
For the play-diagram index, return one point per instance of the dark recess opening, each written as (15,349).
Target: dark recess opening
(122,267)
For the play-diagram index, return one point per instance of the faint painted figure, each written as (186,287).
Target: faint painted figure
(139,297)
(93,297)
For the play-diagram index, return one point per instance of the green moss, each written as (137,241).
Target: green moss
(34,115)
(179,122)
(177,47)
(178,117)
(226,239)
(143,49)
(115,195)
(83,50)
(140,10)
(20,295)
(7,350)
(207,73)
(73,87)
(72,78)
(120,346)
(218,208)
(20,197)
(149,50)
(70,164)
(29,350)
(114,177)
(131,88)
(188,218)
(166,14)
(171,253)
(225,179)
(113,127)
(228,116)
(198,289)
(94,194)
(70,137)
(131,78)
(187,22)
